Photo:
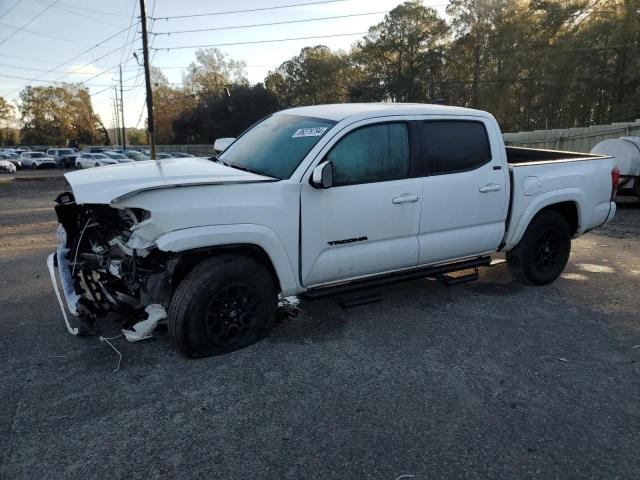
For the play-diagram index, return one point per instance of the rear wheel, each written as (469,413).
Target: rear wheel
(225,303)
(544,250)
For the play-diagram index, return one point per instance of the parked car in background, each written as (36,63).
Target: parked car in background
(119,157)
(135,155)
(182,155)
(11,157)
(37,160)
(88,160)
(7,167)
(164,155)
(95,149)
(65,157)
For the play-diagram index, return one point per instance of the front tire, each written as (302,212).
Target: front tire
(543,251)
(225,303)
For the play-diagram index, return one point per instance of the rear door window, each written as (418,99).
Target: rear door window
(450,146)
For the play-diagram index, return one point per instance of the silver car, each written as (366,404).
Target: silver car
(37,160)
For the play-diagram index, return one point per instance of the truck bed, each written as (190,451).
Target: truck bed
(518,156)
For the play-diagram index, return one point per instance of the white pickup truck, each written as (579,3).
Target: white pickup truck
(316,201)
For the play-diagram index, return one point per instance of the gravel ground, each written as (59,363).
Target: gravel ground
(486,380)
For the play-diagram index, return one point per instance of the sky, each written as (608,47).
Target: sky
(44,41)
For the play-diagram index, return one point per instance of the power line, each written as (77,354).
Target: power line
(260,9)
(133,94)
(133,12)
(90,10)
(269,24)
(50,81)
(46,35)
(78,14)
(28,59)
(78,55)
(53,71)
(29,22)
(95,60)
(275,40)
(10,8)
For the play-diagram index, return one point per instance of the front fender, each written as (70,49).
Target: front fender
(215,235)
(518,225)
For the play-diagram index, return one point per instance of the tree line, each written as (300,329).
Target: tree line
(532,63)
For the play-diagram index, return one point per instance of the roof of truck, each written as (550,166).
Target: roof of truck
(340,111)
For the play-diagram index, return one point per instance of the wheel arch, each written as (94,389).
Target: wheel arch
(255,241)
(567,203)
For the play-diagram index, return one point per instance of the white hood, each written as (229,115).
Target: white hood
(112,182)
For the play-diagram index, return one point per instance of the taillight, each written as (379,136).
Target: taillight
(615,180)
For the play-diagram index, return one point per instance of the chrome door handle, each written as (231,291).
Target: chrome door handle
(406,198)
(491,187)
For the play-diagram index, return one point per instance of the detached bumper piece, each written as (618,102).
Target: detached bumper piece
(101,269)
(67,287)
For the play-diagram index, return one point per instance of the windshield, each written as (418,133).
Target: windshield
(115,156)
(99,155)
(276,146)
(65,152)
(37,155)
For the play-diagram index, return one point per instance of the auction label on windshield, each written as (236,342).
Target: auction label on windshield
(309,132)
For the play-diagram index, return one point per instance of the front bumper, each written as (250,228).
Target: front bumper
(57,261)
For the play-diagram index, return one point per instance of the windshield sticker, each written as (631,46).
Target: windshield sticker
(309,132)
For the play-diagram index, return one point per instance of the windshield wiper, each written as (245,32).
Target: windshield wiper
(217,159)
(245,169)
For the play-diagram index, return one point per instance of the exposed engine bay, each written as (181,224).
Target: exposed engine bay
(110,268)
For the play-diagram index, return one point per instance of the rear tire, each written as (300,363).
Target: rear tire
(225,303)
(543,251)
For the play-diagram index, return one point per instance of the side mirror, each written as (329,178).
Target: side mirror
(322,176)
(221,144)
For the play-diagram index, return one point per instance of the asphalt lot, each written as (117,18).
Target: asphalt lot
(486,380)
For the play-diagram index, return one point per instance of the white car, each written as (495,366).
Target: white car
(318,201)
(119,157)
(37,160)
(7,167)
(88,160)
(14,158)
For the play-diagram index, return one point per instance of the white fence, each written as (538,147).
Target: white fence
(202,150)
(573,139)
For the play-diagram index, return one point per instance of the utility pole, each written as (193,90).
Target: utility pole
(124,138)
(147,79)
(116,114)
(114,128)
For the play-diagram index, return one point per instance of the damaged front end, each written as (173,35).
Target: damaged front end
(106,269)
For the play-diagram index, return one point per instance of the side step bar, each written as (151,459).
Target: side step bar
(438,272)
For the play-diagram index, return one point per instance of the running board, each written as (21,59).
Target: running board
(450,281)
(403,276)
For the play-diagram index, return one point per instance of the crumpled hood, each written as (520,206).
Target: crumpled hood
(107,184)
